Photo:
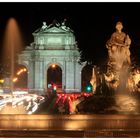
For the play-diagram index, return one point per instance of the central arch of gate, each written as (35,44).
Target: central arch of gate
(54,75)
(53,44)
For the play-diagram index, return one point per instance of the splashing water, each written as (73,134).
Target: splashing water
(11,46)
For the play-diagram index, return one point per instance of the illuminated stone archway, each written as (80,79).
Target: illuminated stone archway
(53,44)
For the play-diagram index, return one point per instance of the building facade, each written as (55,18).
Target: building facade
(53,44)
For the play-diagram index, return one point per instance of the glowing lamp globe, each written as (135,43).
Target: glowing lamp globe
(53,66)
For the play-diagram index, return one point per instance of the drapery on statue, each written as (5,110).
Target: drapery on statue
(118,48)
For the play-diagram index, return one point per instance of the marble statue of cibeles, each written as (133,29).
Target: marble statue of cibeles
(119,56)
(118,48)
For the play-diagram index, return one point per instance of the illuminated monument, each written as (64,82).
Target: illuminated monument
(53,44)
(119,57)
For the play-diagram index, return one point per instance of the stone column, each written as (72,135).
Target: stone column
(37,71)
(77,77)
(31,75)
(64,75)
(39,76)
(69,76)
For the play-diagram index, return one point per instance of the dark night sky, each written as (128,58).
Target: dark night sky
(93,23)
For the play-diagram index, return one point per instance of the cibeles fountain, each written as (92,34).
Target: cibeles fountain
(119,58)
(117,89)
(120,75)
